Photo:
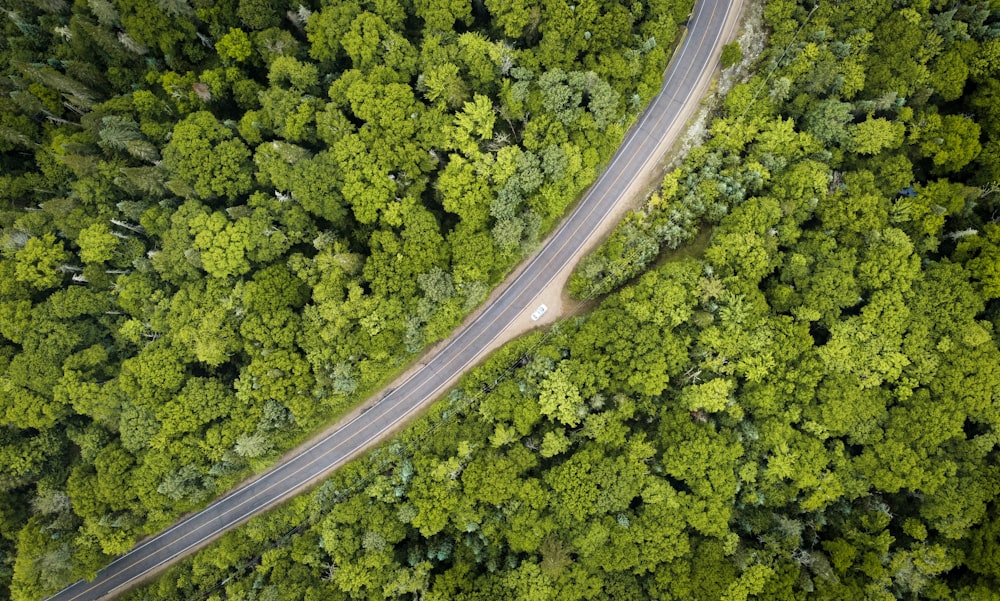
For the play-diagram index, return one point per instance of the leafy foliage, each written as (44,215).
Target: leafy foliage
(806,410)
(225,222)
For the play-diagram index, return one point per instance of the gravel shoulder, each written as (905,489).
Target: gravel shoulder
(555,295)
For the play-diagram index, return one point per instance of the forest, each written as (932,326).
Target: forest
(807,409)
(225,222)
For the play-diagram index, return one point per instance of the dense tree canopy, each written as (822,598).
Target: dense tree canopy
(225,222)
(805,409)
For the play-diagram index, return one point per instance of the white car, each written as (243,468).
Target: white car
(538,312)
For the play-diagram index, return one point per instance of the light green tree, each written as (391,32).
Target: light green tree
(97,244)
(235,46)
(36,263)
(874,135)
(206,156)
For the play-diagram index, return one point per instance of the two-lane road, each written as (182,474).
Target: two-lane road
(643,147)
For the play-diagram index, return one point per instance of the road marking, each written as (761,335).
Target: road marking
(579,219)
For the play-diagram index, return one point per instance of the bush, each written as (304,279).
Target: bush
(732,54)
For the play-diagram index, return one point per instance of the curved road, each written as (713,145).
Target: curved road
(690,68)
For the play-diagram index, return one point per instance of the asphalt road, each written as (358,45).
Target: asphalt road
(692,60)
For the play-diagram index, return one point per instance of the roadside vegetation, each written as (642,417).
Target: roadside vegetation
(223,222)
(809,410)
